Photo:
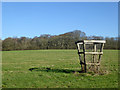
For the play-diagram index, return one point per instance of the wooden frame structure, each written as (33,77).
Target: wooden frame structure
(94,52)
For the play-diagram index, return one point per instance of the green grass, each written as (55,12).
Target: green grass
(55,69)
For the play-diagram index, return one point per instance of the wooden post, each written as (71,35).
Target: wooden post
(94,51)
(78,47)
(99,60)
(84,56)
(101,50)
(94,58)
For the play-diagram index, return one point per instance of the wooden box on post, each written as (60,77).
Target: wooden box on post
(90,52)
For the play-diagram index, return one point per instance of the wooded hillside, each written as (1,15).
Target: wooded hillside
(62,41)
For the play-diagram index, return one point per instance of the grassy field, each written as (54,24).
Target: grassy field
(55,69)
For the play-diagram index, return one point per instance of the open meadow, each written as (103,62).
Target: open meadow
(55,69)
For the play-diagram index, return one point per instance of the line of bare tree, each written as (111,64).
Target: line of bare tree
(46,41)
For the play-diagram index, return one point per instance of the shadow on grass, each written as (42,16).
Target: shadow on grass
(55,70)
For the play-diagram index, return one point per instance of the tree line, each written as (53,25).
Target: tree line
(47,41)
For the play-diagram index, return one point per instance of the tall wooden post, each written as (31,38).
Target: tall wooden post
(84,57)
